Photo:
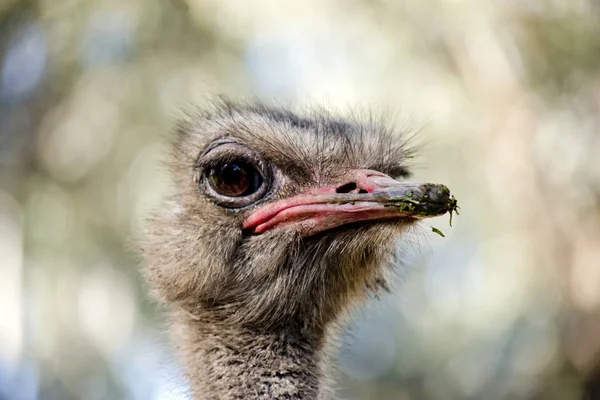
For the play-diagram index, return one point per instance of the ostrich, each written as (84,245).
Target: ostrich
(277,225)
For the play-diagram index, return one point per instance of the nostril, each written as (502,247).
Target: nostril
(347,188)
(362,191)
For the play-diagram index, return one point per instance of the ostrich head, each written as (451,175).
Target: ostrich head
(276,225)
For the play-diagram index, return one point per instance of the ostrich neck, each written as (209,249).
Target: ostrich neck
(226,362)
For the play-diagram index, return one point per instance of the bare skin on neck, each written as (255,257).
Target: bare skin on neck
(277,225)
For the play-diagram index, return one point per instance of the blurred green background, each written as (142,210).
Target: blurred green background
(506,95)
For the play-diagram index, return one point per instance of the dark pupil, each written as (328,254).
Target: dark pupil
(235,179)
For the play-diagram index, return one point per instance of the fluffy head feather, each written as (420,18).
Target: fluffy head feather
(199,258)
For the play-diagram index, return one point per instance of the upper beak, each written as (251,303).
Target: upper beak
(363,195)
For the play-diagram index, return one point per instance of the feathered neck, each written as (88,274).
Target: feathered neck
(226,362)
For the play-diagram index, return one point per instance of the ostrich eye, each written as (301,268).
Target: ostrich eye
(233,175)
(235,179)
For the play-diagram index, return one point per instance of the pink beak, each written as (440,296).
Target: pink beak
(363,195)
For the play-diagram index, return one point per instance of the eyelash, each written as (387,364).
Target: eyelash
(224,158)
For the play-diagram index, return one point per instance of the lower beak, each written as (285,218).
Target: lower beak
(364,195)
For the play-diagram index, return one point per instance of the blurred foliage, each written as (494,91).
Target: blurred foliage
(561,53)
(508,93)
